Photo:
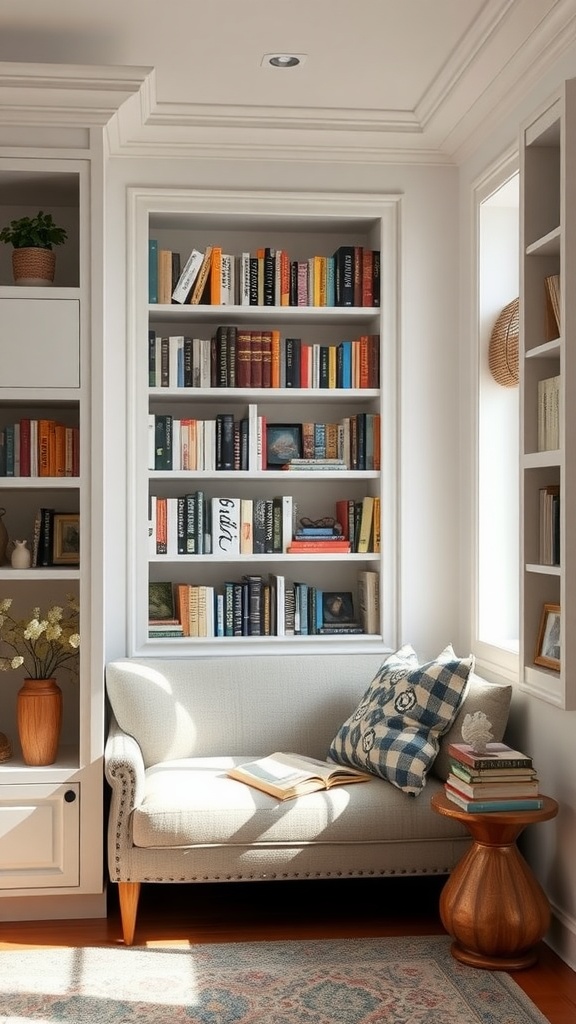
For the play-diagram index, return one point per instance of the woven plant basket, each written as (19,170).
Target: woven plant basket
(5,748)
(503,349)
(33,266)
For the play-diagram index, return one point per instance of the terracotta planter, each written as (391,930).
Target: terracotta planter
(39,711)
(33,267)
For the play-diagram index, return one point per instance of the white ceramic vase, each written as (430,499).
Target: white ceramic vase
(21,557)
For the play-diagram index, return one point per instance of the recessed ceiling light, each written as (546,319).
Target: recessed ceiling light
(283,60)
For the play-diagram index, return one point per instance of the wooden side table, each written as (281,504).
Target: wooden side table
(492,905)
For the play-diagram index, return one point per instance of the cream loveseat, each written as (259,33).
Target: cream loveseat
(177,725)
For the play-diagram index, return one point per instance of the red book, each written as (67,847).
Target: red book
(367,279)
(266,359)
(25,447)
(256,359)
(299,546)
(364,362)
(243,358)
(305,366)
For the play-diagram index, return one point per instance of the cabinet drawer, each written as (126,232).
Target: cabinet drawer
(39,343)
(39,836)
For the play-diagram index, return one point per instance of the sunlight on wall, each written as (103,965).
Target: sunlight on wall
(498,427)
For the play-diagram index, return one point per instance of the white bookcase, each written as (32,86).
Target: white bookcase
(548,247)
(304,225)
(51,817)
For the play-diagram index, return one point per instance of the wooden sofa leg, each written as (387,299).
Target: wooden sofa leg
(128,893)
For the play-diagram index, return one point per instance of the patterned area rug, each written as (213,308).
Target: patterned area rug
(362,981)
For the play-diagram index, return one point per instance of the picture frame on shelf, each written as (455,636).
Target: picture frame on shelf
(161,604)
(548,643)
(338,608)
(283,443)
(66,545)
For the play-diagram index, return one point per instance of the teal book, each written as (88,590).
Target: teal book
(491,806)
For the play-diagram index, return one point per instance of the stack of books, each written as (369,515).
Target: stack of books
(327,539)
(501,779)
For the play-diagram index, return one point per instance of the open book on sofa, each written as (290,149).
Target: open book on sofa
(286,776)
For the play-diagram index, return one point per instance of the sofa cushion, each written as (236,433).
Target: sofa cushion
(193,802)
(491,698)
(394,732)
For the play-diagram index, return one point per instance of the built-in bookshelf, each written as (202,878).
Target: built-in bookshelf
(277,385)
(45,470)
(547,372)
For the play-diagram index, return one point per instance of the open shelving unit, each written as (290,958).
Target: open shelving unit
(303,225)
(548,247)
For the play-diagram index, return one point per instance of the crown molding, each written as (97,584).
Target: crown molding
(64,95)
(456,115)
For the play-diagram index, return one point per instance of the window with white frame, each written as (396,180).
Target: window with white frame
(498,523)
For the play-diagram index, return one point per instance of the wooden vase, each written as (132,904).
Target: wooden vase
(39,710)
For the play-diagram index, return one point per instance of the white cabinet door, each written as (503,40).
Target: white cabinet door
(39,343)
(39,836)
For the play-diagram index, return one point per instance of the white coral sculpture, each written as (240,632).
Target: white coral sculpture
(476,730)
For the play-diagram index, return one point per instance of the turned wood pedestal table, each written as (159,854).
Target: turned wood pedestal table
(492,905)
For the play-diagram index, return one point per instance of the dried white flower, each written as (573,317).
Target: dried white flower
(476,730)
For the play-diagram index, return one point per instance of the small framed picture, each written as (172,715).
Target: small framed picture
(283,443)
(548,645)
(337,607)
(66,549)
(160,601)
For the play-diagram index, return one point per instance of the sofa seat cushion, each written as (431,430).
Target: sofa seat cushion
(191,801)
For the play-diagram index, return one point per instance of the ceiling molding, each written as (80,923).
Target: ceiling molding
(65,94)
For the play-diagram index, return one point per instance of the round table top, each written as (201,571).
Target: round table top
(443,805)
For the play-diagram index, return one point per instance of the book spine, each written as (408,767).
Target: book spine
(152,271)
(225,526)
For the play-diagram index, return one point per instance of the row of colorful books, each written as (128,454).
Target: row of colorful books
(250,443)
(194,524)
(242,358)
(500,779)
(265,277)
(254,605)
(44,447)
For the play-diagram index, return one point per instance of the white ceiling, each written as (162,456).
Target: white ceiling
(415,79)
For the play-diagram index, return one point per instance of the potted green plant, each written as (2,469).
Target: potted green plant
(32,238)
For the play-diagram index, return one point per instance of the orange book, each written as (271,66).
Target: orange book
(364,368)
(275,364)
(284,278)
(216,276)
(44,448)
(183,606)
(161,526)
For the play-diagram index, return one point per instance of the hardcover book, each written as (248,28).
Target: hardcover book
(496,755)
(493,806)
(287,776)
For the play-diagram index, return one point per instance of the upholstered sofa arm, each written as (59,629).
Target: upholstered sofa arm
(124,768)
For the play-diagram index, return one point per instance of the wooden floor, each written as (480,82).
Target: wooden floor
(183,915)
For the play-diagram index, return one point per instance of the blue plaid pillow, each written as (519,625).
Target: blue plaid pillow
(394,731)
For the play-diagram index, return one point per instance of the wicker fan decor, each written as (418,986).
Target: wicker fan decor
(503,350)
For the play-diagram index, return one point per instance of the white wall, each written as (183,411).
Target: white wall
(546,732)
